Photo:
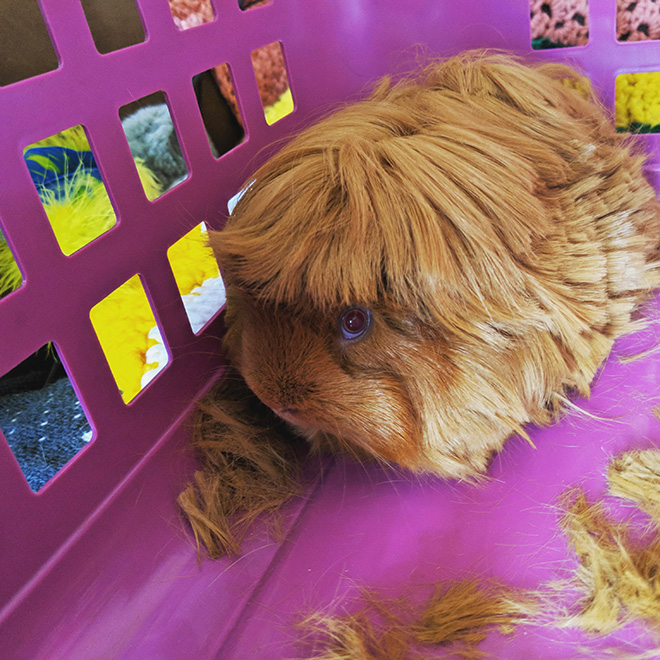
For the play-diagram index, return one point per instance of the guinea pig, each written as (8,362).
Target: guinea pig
(421,274)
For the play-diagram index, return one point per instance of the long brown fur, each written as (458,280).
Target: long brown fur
(494,223)
(457,617)
(249,467)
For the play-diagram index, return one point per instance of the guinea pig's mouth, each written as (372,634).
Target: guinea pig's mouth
(295,417)
(287,414)
(321,434)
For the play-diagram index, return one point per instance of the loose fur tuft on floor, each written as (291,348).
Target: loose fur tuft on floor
(458,617)
(635,476)
(619,572)
(616,578)
(463,613)
(249,467)
(355,637)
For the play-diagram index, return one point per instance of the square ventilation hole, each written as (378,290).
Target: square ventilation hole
(41,417)
(25,46)
(637,102)
(130,337)
(559,23)
(218,106)
(153,141)
(197,277)
(65,173)
(188,15)
(244,5)
(114,25)
(637,20)
(273,81)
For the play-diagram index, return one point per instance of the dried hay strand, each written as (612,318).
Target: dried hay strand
(249,468)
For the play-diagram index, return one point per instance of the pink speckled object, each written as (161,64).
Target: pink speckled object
(190,13)
(564,22)
(637,21)
(270,72)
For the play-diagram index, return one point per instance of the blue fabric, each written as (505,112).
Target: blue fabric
(65,163)
(45,429)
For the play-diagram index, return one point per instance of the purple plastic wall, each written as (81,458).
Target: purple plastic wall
(97,564)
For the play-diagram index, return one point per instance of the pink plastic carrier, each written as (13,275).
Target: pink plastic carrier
(98,564)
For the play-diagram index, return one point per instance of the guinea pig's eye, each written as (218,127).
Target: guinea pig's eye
(354,322)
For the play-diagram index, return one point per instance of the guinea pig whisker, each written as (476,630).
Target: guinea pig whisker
(581,411)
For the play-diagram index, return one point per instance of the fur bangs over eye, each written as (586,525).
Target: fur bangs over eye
(436,194)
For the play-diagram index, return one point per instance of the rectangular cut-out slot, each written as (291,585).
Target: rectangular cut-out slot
(197,277)
(637,20)
(66,175)
(25,46)
(558,23)
(130,338)
(637,102)
(11,277)
(114,25)
(244,5)
(155,146)
(273,81)
(41,416)
(218,105)
(188,15)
